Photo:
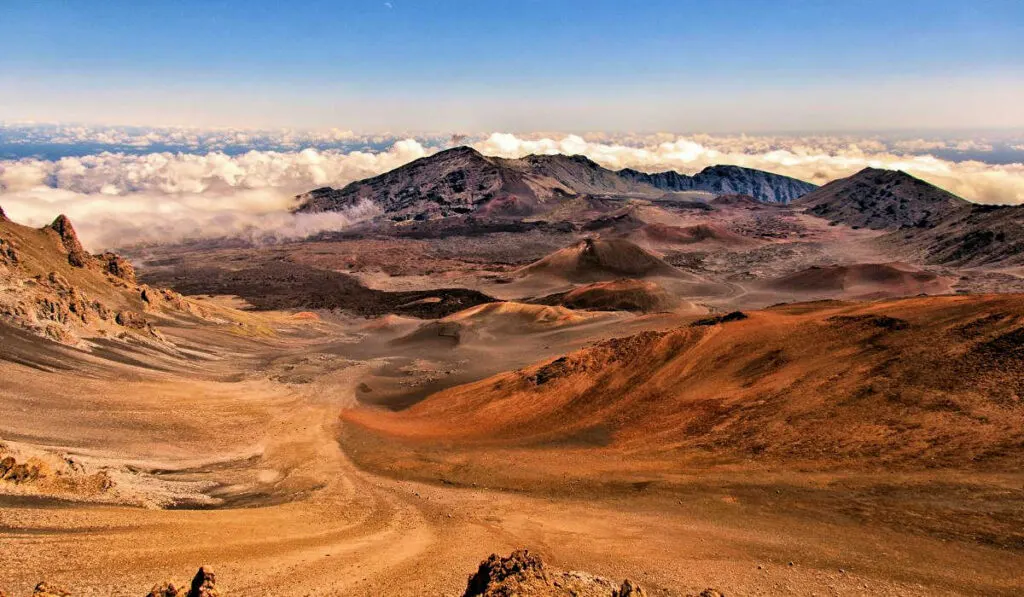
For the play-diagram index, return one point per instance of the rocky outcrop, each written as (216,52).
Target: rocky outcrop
(204,584)
(77,255)
(8,253)
(117,266)
(766,187)
(44,589)
(523,573)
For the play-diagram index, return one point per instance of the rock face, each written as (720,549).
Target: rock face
(525,574)
(462,180)
(883,200)
(51,287)
(766,187)
(77,255)
(117,266)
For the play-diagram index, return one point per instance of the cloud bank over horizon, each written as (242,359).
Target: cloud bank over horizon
(119,198)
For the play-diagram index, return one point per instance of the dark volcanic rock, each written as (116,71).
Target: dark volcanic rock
(882,200)
(725,180)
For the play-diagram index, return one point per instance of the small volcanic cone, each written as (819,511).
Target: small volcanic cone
(599,259)
(618,295)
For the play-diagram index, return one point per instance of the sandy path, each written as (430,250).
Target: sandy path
(306,521)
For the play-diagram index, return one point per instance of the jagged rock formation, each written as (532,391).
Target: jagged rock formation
(77,255)
(525,574)
(727,180)
(462,180)
(51,286)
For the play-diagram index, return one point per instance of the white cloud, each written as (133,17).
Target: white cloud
(118,198)
(815,159)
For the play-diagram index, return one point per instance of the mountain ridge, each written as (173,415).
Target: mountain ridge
(462,180)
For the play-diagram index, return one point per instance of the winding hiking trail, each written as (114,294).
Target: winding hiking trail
(249,446)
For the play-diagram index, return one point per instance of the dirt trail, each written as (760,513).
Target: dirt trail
(258,431)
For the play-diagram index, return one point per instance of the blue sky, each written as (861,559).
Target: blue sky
(525,65)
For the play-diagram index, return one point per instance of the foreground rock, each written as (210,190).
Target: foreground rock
(204,584)
(523,573)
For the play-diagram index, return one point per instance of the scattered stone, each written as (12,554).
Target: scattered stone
(44,589)
(709,592)
(166,589)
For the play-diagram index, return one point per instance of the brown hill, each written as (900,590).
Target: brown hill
(880,279)
(600,259)
(882,200)
(916,383)
(984,235)
(619,295)
(927,223)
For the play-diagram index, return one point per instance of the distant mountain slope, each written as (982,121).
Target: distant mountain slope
(926,222)
(462,180)
(882,200)
(979,235)
(728,180)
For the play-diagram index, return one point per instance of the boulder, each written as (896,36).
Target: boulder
(204,584)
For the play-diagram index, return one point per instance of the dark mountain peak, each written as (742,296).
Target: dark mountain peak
(883,199)
(3,216)
(460,151)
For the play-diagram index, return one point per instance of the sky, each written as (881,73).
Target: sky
(157,121)
(472,65)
